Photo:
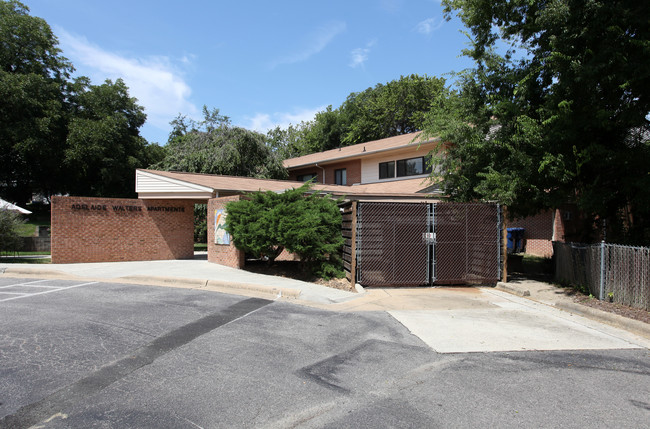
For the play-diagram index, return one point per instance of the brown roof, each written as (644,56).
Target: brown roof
(398,188)
(229,183)
(357,150)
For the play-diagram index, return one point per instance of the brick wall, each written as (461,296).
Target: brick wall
(538,234)
(353,172)
(110,229)
(224,254)
(293,175)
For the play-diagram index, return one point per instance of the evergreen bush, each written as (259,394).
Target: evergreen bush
(9,236)
(263,224)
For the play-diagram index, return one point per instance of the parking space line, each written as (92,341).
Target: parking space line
(14,293)
(29,285)
(47,291)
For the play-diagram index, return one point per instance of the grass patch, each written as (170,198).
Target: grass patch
(30,227)
(19,260)
(199,247)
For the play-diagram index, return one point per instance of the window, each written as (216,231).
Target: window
(386,170)
(413,166)
(340,177)
(306,177)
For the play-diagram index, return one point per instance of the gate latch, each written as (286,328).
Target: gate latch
(429,237)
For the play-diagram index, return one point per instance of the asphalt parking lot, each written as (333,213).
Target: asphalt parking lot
(96,354)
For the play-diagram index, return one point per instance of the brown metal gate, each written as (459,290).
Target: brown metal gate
(468,243)
(412,244)
(390,249)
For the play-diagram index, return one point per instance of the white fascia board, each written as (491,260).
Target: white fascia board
(185,186)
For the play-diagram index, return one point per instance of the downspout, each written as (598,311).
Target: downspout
(322,168)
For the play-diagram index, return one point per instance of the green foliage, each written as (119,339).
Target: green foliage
(200,223)
(265,223)
(104,146)
(289,142)
(554,111)
(57,135)
(395,108)
(386,110)
(214,146)
(9,231)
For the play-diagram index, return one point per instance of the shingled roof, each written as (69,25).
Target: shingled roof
(357,150)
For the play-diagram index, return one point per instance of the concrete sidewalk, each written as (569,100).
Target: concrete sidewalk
(195,273)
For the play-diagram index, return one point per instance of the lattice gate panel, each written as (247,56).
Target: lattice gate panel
(390,248)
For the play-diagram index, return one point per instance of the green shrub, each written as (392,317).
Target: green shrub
(265,223)
(9,231)
(200,223)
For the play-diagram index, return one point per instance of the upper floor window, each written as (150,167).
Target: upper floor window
(306,177)
(340,177)
(387,170)
(413,166)
(405,167)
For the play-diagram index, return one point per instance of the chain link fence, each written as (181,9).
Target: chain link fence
(412,244)
(468,243)
(390,247)
(612,272)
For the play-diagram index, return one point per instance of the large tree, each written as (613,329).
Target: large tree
(215,146)
(33,89)
(385,110)
(555,110)
(104,146)
(58,135)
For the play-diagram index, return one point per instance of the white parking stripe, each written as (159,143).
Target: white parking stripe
(48,291)
(29,285)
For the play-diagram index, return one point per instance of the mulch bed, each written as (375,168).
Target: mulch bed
(294,270)
(612,307)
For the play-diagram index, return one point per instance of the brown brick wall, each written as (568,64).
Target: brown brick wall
(293,175)
(224,254)
(111,229)
(353,172)
(538,234)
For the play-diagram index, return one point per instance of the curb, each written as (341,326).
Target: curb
(35,271)
(631,325)
(159,281)
(505,287)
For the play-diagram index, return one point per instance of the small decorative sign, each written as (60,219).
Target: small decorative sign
(221,236)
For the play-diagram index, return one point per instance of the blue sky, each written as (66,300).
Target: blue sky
(262,63)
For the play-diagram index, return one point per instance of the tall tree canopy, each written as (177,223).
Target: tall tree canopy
(385,110)
(215,146)
(33,88)
(59,135)
(560,115)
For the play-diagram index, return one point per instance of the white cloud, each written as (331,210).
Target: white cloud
(262,122)
(315,43)
(359,56)
(428,26)
(154,81)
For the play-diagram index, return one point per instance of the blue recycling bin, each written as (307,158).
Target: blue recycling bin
(516,240)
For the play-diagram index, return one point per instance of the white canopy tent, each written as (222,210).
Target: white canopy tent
(6,205)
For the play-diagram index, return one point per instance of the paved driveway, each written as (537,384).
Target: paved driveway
(116,355)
